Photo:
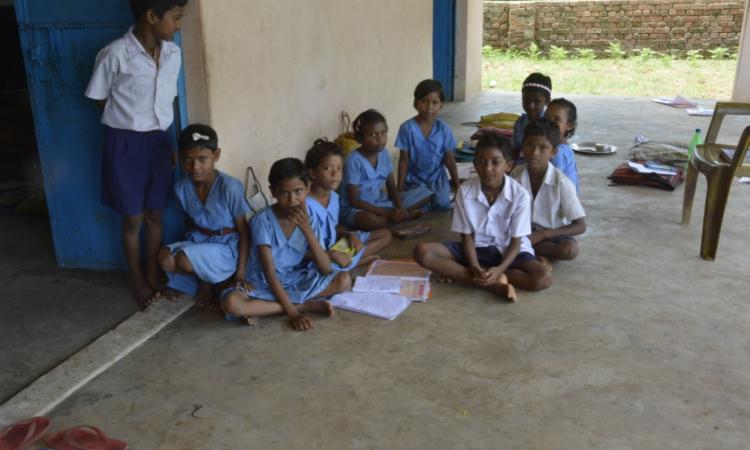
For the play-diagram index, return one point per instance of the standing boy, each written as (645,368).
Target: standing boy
(135,80)
(493,215)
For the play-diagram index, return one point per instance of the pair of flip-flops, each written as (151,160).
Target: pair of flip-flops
(22,434)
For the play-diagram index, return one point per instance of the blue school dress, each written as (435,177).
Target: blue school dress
(213,256)
(372,185)
(325,220)
(300,279)
(565,160)
(426,159)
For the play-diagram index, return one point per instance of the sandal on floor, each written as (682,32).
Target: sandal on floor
(84,438)
(22,434)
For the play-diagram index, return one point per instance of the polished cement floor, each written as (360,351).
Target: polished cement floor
(638,344)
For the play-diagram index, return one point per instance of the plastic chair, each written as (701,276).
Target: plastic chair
(720,172)
(254,192)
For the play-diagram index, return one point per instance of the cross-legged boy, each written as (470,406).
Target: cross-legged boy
(493,215)
(135,80)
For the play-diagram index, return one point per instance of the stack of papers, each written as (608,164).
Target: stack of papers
(384,306)
(390,285)
(413,279)
(676,102)
(640,168)
(700,111)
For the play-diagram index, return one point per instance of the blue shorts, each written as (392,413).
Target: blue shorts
(487,256)
(136,170)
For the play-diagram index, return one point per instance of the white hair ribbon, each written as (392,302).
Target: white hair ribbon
(200,137)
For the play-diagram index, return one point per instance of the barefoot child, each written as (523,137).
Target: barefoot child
(325,164)
(283,281)
(135,80)
(493,215)
(216,245)
(535,95)
(367,171)
(427,147)
(564,115)
(557,214)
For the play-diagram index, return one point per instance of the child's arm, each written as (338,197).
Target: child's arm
(298,321)
(299,217)
(403,167)
(575,228)
(399,213)
(240,277)
(450,162)
(470,252)
(493,274)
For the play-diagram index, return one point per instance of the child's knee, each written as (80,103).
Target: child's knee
(421,252)
(182,262)
(542,279)
(342,282)
(383,235)
(568,250)
(233,302)
(152,218)
(166,260)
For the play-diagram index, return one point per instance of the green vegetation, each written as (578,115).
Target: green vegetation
(642,72)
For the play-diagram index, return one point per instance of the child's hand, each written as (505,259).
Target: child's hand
(397,214)
(492,276)
(537,236)
(241,282)
(300,323)
(299,216)
(355,242)
(479,273)
(342,259)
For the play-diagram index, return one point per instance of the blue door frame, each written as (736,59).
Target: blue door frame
(60,40)
(444,44)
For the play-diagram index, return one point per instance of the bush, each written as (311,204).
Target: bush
(534,52)
(585,54)
(719,53)
(557,53)
(615,51)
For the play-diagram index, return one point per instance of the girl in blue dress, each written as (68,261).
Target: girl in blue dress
(216,245)
(564,114)
(427,145)
(325,164)
(369,198)
(283,280)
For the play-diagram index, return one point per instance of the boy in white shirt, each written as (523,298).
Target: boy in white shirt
(493,215)
(557,214)
(135,80)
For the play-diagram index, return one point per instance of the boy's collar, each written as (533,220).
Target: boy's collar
(504,191)
(133,45)
(549,174)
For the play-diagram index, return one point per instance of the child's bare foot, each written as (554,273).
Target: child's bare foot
(545,262)
(205,296)
(142,293)
(323,307)
(162,289)
(504,288)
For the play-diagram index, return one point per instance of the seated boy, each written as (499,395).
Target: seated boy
(493,215)
(557,214)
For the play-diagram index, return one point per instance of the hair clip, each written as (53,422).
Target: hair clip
(200,137)
(538,85)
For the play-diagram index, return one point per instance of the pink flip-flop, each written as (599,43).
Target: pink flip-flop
(84,437)
(22,434)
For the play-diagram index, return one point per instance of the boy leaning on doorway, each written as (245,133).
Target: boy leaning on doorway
(135,80)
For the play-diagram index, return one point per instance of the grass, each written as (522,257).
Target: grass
(642,77)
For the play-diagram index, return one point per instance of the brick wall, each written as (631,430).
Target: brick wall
(657,24)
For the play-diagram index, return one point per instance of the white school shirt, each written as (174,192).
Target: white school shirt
(139,96)
(556,204)
(493,225)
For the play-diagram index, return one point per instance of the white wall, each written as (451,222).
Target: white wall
(276,73)
(468,62)
(742,79)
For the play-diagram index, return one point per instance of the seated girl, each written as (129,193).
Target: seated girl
(216,245)
(283,280)
(427,147)
(369,198)
(325,163)
(564,114)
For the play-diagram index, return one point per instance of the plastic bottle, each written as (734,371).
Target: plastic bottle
(696,141)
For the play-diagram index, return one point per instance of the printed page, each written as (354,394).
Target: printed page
(384,306)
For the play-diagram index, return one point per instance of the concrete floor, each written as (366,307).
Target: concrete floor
(639,343)
(48,313)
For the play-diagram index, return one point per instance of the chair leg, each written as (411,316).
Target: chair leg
(691,180)
(716,202)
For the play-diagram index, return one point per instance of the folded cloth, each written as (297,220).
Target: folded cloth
(627,176)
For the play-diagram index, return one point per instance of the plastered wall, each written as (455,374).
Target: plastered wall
(468,63)
(742,79)
(275,74)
